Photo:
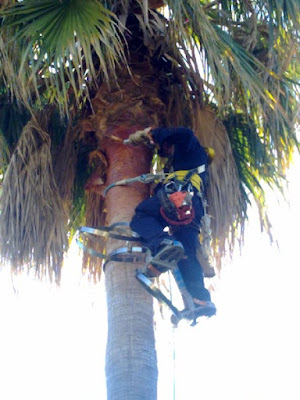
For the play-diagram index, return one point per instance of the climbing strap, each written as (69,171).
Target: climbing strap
(183,177)
(144,178)
(119,231)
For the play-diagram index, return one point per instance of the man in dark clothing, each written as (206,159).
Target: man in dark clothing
(149,221)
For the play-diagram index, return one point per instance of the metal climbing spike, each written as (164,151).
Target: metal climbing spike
(190,313)
(155,292)
(168,256)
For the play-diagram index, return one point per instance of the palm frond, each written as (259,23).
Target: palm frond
(209,35)
(95,216)
(4,153)
(223,193)
(285,13)
(12,121)
(63,46)
(32,220)
(254,163)
(219,54)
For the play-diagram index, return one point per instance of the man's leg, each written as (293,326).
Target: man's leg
(189,266)
(149,224)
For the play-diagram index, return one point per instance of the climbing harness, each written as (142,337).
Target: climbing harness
(182,177)
(177,193)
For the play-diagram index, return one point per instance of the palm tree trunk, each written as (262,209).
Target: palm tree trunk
(131,364)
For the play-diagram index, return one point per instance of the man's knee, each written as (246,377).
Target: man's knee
(149,206)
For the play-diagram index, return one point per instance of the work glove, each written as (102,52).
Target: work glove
(140,137)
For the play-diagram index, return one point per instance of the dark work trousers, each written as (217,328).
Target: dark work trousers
(149,224)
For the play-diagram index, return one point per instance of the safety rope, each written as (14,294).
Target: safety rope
(160,176)
(205,229)
(173,341)
(144,178)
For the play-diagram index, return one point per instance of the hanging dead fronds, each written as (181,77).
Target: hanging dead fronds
(65,165)
(95,216)
(32,220)
(4,153)
(223,192)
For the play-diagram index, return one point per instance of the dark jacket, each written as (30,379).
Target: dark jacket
(188,152)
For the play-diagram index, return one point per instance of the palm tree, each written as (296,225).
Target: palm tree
(77,76)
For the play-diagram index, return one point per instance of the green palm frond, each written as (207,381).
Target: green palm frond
(254,164)
(62,47)
(209,32)
(215,48)
(285,13)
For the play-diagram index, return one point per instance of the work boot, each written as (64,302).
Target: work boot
(168,254)
(204,308)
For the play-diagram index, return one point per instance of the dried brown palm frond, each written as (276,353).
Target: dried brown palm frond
(65,166)
(223,191)
(4,152)
(95,217)
(95,214)
(32,219)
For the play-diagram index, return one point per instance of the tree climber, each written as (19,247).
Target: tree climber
(178,203)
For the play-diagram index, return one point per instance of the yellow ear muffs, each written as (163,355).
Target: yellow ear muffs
(210,153)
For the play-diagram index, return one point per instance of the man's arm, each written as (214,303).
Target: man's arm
(178,135)
(140,137)
(183,136)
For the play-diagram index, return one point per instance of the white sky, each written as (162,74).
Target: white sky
(52,344)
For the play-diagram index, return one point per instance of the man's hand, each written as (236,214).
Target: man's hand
(140,137)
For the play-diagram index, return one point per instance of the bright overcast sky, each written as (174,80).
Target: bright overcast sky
(52,345)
